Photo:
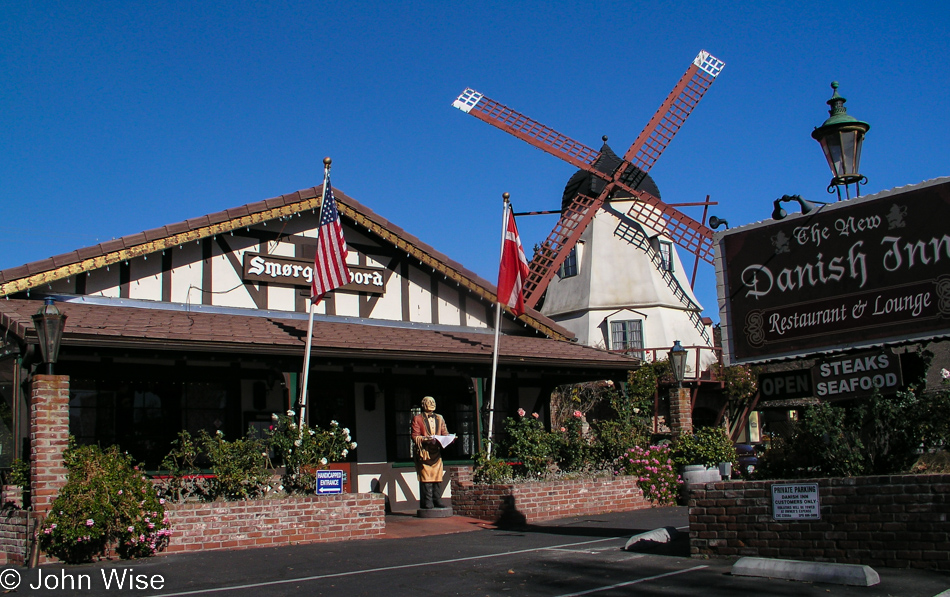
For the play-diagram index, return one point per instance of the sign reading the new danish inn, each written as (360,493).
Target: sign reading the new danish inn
(293,271)
(856,273)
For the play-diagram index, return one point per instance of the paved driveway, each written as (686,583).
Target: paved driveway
(581,556)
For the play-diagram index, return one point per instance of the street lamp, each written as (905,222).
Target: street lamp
(49,322)
(678,362)
(841,137)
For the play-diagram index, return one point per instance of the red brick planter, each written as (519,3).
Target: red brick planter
(521,503)
(268,523)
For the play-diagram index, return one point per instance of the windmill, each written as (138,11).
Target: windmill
(614,175)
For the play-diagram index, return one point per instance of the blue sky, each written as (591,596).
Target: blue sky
(117,117)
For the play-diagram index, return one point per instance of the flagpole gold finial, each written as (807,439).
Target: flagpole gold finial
(327,161)
(505,196)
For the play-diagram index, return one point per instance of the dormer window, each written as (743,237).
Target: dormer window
(666,255)
(570,267)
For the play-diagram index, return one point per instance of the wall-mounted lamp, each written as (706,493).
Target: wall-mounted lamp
(715,222)
(49,322)
(778,213)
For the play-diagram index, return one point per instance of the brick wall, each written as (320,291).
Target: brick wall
(269,523)
(49,434)
(14,531)
(532,502)
(894,521)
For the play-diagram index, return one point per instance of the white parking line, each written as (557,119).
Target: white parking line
(383,569)
(633,582)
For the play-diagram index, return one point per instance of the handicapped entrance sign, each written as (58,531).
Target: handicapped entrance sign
(329,482)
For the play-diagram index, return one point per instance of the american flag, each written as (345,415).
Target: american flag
(329,265)
(513,270)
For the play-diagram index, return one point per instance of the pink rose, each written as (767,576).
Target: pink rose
(535,415)
(521,412)
(578,414)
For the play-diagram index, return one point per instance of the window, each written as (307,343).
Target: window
(628,336)
(568,269)
(666,255)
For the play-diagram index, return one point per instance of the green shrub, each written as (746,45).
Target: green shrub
(528,443)
(19,474)
(877,435)
(574,451)
(183,478)
(106,502)
(240,467)
(707,446)
(491,470)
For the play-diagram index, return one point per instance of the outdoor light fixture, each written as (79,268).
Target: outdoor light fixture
(715,222)
(841,137)
(678,362)
(49,322)
(778,213)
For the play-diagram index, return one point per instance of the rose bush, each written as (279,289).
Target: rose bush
(106,503)
(653,467)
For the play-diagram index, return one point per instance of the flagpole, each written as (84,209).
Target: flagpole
(494,360)
(306,361)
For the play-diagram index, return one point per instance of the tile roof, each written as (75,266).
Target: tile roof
(120,326)
(39,273)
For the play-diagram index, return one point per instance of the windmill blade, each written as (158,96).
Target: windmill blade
(684,230)
(672,113)
(549,257)
(530,131)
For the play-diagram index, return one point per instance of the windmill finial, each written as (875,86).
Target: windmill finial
(604,138)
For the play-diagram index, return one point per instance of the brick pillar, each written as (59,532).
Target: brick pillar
(681,412)
(49,434)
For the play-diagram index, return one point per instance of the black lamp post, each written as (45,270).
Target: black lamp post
(678,362)
(841,137)
(49,322)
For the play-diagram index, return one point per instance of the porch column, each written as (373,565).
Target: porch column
(681,412)
(49,434)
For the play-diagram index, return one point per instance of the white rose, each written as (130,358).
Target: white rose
(334,424)
(346,430)
(297,442)
(290,413)
(344,452)
(274,417)
(353,446)
(323,461)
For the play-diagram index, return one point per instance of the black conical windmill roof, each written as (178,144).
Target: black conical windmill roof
(586,183)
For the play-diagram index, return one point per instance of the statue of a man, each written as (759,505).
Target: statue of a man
(428,453)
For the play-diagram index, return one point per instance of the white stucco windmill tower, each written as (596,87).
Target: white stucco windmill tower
(609,270)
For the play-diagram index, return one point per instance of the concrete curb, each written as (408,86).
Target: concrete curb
(827,572)
(656,536)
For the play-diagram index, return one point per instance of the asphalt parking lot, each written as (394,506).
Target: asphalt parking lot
(579,556)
